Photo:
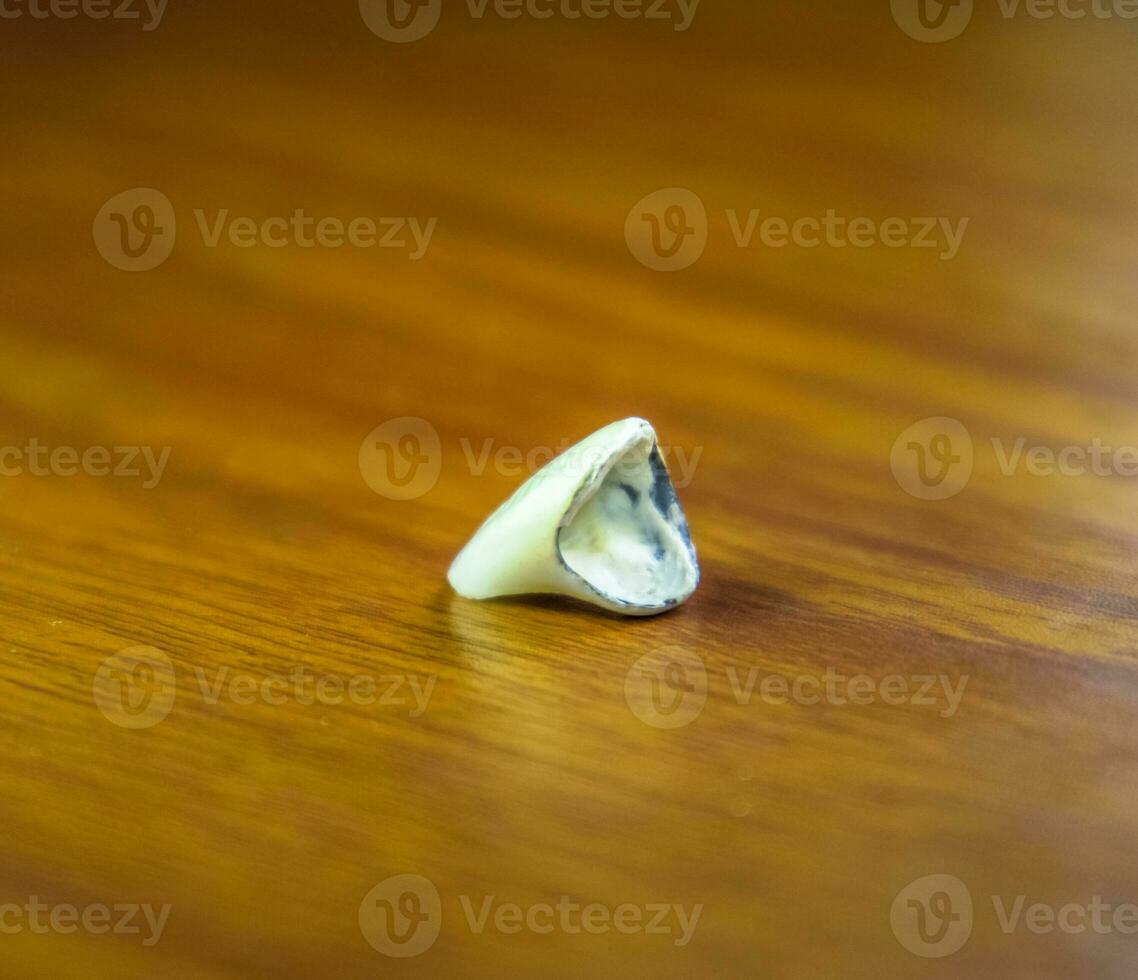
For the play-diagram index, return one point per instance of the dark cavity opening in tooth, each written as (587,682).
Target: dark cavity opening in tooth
(629,539)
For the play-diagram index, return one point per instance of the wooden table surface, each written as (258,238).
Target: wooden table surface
(510,750)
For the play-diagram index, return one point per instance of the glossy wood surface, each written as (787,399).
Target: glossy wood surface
(786,374)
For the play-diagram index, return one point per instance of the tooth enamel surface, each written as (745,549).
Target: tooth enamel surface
(601,523)
(628,540)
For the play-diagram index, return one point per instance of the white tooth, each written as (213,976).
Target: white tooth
(600,522)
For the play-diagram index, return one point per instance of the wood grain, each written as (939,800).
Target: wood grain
(528,322)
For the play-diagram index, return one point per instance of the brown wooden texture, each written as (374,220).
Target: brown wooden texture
(529,322)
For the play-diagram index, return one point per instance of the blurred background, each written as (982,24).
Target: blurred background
(246,238)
